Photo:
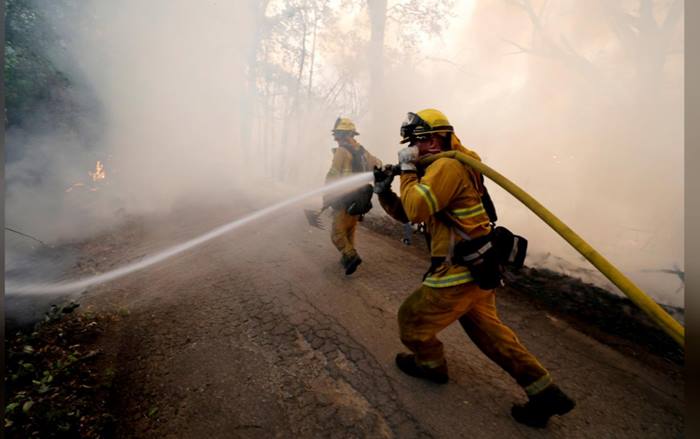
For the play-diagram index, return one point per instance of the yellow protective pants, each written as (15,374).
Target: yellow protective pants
(429,310)
(343,232)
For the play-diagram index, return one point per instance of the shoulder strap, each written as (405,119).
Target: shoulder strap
(489,207)
(478,180)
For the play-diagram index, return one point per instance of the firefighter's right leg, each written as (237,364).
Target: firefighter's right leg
(501,345)
(353,261)
(341,234)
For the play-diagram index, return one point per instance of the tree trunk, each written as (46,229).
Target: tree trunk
(375,56)
(312,58)
(249,93)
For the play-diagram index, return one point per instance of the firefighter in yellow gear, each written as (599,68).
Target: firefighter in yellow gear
(446,195)
(348,157)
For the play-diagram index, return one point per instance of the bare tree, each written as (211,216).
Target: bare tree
(648,41)
(283,92)
(544,45)
(375,53)
(645,40)
(414,19)
(249,93)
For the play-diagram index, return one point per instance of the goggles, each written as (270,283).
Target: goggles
(413,127)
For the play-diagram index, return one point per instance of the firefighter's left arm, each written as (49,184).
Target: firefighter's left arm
(423,198)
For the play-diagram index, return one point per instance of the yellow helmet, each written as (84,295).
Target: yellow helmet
(344,125)
(424,122)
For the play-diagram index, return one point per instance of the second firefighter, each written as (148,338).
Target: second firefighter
(348,158)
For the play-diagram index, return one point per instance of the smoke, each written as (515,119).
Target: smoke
(582,114)
(599,142)
(572,110)
(168,79)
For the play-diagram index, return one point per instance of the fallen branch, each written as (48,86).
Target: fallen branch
(28,236)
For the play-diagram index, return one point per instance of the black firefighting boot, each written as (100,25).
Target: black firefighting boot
(407,363)
(352,263)
(542,406)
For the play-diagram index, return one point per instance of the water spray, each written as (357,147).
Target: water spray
(71,287)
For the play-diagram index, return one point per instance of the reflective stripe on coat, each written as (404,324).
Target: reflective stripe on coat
(446,186)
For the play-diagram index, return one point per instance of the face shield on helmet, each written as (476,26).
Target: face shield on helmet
(413,127)
(418,126)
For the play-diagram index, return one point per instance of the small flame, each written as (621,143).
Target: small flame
(99,173)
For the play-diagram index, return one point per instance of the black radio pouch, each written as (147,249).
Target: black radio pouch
(482,258)
(360,201)
(356,202)
(486,256)
(511,248)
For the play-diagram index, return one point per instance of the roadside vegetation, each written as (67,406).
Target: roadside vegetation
(54,385)
(32,80)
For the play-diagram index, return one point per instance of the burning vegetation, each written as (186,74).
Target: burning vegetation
(99,174)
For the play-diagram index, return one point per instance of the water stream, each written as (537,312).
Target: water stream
(13,288)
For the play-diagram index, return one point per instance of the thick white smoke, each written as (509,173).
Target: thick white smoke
(568,110)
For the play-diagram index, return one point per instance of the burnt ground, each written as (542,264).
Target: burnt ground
(260,334)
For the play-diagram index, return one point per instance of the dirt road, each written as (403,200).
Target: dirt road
(259,334)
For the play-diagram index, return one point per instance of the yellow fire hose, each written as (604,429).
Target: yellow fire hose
(658,314)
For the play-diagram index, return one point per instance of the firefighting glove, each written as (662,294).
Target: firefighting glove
(407,159)
(383,178)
